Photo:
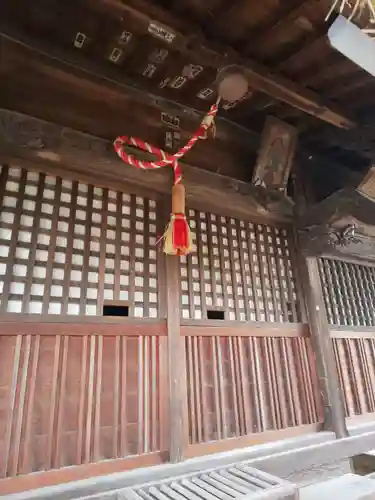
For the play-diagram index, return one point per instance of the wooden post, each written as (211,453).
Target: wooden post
(178,426)
(334,415)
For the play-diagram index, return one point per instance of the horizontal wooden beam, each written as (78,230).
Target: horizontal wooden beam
(71,326)
(223,445)
(27,482)
(72,69)
(198,49)
(241,329)
(61,151)
(322,226)
(352,333)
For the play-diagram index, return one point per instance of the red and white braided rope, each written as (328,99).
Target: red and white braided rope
(166,159)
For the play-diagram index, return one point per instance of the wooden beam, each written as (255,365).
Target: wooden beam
(44,479)
(53,149)
(198,50)
(204,328)
(253,439)
(345,202)
(178,410)
(285,15)
(34,325)
(334,415)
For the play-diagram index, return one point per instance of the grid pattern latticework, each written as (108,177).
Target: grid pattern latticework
(67,247)
(242,268)
(349,292)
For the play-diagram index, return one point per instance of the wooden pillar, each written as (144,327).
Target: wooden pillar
(178,425)
(334,414)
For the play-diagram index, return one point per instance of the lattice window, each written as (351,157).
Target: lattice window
(241,268)
(67,247)
(349,292)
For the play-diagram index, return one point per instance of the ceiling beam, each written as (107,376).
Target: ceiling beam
(75,69)
(281,17)
(66,151)
(194,45)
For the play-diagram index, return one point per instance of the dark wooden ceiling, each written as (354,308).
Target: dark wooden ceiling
(94,65)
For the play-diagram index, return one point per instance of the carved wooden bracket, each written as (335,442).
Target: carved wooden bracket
(342,224)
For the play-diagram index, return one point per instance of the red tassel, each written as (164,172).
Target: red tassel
(180,234)
(177,238)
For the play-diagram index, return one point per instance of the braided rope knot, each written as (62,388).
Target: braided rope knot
(165,158)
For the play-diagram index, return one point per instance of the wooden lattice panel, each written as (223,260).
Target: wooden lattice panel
(104,399)
(349,292)
(355,361)
(67,247)
(244,385)
(241,268)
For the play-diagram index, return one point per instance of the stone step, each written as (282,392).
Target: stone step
(236,482)
(347,487)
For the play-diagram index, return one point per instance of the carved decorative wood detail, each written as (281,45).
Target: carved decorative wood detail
(275,156)
(342,224)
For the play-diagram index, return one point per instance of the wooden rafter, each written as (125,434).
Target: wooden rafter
(194,45)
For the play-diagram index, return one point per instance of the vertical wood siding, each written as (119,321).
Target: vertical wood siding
(349,295)
(355,360)
(69,400)
(67,247)
(77,394)
(244,385)
(242,268)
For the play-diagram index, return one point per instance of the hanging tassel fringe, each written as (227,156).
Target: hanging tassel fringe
(177,237)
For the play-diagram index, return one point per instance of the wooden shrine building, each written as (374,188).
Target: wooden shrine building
(115,356)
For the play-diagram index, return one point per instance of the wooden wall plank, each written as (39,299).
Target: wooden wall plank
(123,406)
(18,428)
(61,403)
(328,378)
(12,403)
(178,436)
(26,458)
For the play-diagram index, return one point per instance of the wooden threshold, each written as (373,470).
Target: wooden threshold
(79,472)
(197,450)
(366,418)
(206,328)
